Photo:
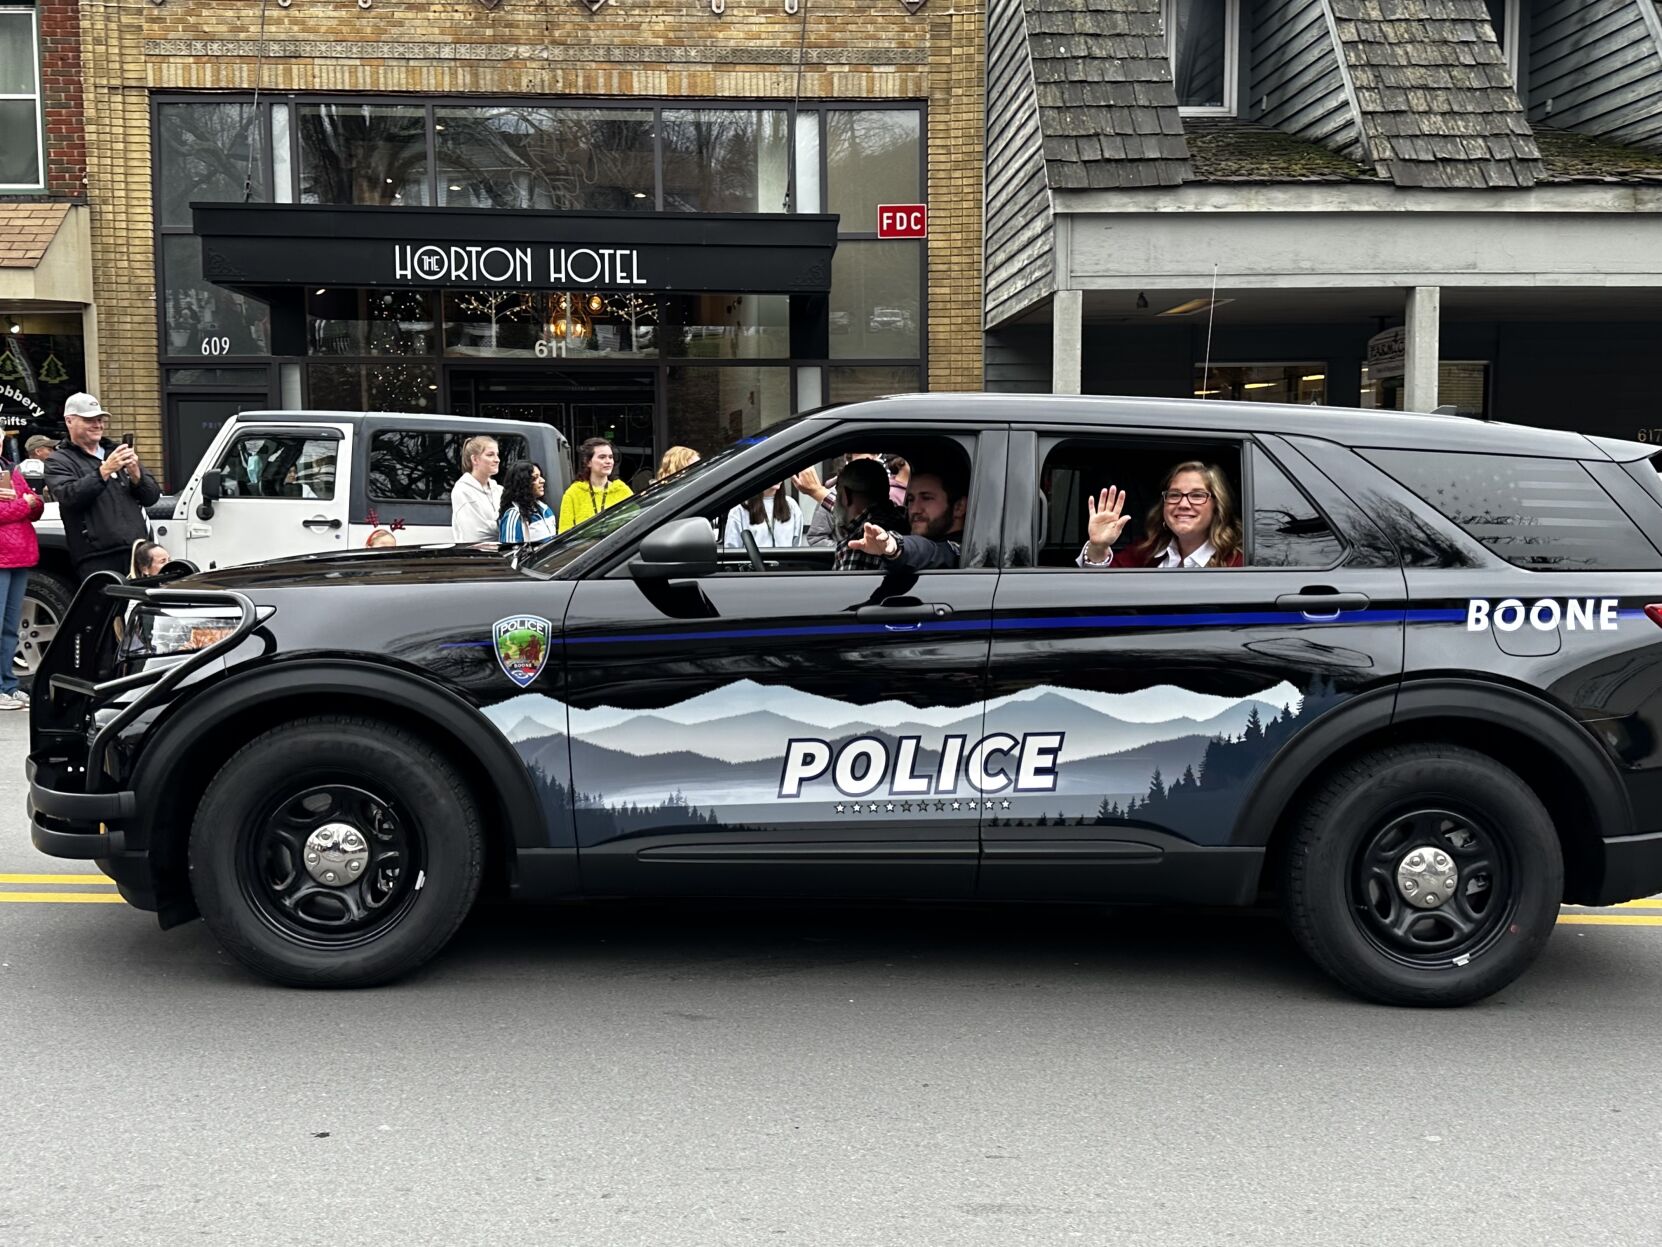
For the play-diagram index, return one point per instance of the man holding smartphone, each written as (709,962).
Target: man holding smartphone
(101,490)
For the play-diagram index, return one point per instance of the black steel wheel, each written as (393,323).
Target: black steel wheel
(336,851)
(1424,874)
(333,864)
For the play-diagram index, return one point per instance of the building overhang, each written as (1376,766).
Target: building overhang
(268,249)
(45,256)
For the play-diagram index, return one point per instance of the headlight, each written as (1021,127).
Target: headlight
(158,633)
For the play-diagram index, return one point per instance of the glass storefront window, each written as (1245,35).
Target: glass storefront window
(853,385)
(712,407)
(726,326)
(1263,383)
(40,365)
(872,157)
(525,157)
(387,385)
(362,154)
(204,154)
(201,318)
(559,324)
(370,322)
(725,159)
(876,300)
(1461,383)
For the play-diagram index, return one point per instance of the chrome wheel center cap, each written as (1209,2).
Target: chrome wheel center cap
(1426,877)
(336,854)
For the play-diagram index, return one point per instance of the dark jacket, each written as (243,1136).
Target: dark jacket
(99,516)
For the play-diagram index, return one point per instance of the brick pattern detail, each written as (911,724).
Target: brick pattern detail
(854,49)
(27,230)
(60,80)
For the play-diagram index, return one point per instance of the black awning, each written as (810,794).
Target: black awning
(258,247)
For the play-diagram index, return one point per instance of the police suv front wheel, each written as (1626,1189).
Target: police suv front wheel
(1424,875)
(336,851)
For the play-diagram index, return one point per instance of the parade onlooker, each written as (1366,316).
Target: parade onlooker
(101,489)
(594,489)
(676,459)
(20,507)
(476,499)
(36,451)
(772,517)
(863,498)
(149,557)
(900,475)
(526,516)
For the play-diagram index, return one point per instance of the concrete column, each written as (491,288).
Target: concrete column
(1424,326)
(1067,342)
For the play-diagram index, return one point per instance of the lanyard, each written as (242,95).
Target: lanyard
(599,507)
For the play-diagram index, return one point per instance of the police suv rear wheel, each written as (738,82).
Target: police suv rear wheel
(1424,875)
(336,852)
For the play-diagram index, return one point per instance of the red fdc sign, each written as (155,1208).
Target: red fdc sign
(902,221)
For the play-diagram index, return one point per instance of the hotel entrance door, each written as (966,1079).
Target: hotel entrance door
(615,404)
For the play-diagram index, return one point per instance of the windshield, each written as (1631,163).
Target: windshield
(554,553)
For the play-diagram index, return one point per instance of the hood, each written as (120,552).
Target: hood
(479,564)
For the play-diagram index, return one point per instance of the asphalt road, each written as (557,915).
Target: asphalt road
(671,1075)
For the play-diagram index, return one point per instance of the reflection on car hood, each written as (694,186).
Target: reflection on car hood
(398,567)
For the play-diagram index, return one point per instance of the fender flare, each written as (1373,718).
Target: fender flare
(1477,701)
(171,743)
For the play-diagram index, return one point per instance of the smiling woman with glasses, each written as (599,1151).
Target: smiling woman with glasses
(1193,524)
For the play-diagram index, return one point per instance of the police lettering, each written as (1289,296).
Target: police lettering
(1544,615)
(869,764)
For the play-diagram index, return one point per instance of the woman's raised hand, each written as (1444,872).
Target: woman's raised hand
(1105,521)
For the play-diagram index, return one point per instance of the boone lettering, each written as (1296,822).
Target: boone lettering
(1575,614)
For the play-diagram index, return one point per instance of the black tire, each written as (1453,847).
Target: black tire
(422,861)
(46,601)
(1347,909)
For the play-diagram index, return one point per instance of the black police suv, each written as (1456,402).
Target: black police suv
(1408,682)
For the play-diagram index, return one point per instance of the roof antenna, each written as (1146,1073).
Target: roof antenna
(1211,314)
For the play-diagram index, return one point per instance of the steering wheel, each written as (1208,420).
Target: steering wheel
(753,550)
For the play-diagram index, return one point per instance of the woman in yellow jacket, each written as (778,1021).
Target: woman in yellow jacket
(594,489)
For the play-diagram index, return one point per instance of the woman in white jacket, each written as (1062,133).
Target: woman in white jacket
(772,516)
(476,499)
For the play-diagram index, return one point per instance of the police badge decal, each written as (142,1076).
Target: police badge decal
(522,646)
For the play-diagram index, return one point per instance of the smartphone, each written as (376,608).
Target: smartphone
(127,440)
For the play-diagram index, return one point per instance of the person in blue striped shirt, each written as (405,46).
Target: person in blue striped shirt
(525,516)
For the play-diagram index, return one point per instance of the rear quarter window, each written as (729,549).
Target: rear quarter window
(1539,514)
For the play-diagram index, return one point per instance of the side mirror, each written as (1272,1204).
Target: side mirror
(678,550)
(213,489)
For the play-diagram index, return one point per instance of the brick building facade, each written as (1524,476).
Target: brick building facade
(329,64)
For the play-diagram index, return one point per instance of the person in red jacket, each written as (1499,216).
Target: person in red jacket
(1192,525)
(20,507)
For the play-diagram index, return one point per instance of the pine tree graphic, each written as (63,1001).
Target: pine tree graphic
(53,372)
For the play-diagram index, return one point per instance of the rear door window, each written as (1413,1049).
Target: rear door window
(1287,529)
(1539,514)
(408,465)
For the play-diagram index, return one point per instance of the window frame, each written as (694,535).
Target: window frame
(1231,60)
(390,429)
(1510,44)
(325,434)
(32,12)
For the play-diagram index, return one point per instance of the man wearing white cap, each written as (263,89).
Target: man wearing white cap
(101,490)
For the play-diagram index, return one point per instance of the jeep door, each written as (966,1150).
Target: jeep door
(784,730)
(1146,704)
(283,494)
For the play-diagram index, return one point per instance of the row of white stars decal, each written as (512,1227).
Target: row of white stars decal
(906,807)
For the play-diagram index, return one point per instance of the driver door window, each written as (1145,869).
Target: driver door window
(267,465)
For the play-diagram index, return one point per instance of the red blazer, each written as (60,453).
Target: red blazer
(1144,555)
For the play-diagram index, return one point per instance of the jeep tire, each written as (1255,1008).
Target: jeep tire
(336,851)
(46,602)
(1372,853)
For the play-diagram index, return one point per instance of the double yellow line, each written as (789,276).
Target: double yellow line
(106,895)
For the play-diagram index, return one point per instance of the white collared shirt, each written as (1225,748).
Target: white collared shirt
(1169,557)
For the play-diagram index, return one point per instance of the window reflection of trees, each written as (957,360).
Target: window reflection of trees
(205,156)
(525,157)
(406,466)
(362,154)
(724,160)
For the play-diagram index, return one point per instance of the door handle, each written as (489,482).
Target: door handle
(318,521)
(1322,603)
(915,612)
